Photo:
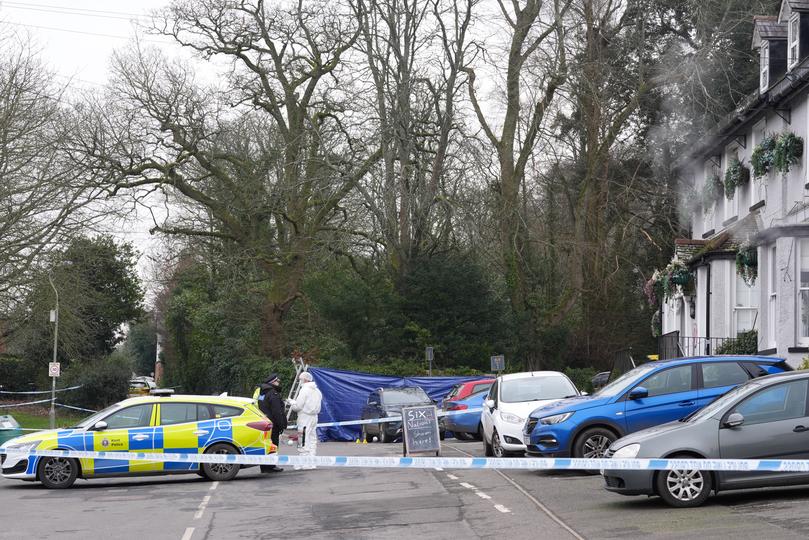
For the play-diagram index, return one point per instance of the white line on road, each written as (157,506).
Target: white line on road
(452,477)
(213,486)
(482,495)
(439,469)
(533,499)
(188,532)
(202,506)
(502,508)
(468,486)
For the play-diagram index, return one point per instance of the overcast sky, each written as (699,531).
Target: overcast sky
(77,37)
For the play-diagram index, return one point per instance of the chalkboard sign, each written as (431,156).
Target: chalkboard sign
(420,430)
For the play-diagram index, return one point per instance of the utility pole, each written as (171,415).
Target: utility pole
(55,320)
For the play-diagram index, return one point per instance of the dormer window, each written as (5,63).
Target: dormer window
(764,64)
(793,40)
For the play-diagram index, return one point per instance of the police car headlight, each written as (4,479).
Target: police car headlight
(627,452)
(21,447)
(511,418)
(555,419)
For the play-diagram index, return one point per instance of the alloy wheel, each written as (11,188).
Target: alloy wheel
(222,468)
(496,447)
(58,470)
(685,485)
(596,446)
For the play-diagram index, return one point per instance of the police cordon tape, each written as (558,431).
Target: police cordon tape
(776,465)
(33,392)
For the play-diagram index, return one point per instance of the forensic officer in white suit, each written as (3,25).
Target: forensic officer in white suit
(307,405)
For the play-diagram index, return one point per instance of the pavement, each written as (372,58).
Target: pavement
(385,503)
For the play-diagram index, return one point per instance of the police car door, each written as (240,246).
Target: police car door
(125,430)
(181,432)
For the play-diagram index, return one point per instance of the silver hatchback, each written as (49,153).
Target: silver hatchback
(766,418)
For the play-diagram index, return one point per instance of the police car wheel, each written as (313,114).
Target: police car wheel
(220,471)
(57,472)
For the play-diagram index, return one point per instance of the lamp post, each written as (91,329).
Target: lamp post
(55,320)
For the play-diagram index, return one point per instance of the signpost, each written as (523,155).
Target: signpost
(420,430)
(498,363)
(428,353)
(54,370)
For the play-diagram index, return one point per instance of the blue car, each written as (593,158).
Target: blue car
(465,426)
(649,395)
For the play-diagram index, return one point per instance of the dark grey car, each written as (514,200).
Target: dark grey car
(766,418)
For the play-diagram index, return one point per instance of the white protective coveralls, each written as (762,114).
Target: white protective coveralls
(307,405)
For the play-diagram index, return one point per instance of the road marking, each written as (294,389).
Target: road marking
(502,508)
(530,497)
(213,486)
(452,477)
(188,532)
(468,486)
(202,506)
(482,495)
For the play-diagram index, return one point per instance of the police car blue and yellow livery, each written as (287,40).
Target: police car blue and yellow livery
(171,424)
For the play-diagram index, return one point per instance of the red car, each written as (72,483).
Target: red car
(463,391)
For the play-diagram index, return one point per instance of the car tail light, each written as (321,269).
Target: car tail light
(261,425)
(457,406)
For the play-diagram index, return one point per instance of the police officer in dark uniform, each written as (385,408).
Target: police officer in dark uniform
(271,404)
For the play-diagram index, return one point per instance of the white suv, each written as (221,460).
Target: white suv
(511,399)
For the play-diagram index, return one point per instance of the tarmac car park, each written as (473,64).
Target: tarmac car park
(159,424)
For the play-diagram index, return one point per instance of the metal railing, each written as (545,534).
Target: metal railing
(671,345)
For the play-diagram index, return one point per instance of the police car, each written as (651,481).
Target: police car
(164,423)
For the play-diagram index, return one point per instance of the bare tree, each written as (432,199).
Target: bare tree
(536,41)
(261,164)
(44,201)
(415,52)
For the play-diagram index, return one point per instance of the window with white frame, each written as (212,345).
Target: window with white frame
(764,65)
(794,29)
(757,185)
(707,206)
(745,305)
(803,291)
(732,204)
(772,288)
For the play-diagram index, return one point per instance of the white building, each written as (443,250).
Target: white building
(771,211)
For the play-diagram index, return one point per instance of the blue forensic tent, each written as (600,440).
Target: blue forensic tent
(346,392)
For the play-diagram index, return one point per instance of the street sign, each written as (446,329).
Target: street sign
(54,369)
(420,430)
(428,353)
(498,362)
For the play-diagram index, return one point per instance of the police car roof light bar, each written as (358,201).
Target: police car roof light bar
(162,392)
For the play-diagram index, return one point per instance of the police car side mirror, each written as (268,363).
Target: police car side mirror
(490,403)
(100,426)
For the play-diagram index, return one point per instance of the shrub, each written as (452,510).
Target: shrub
(788,151)
(582,377)
(103,382)
(745,343)
(712,190)
(762,157)
(17,374)
(747,263)
(735,176)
